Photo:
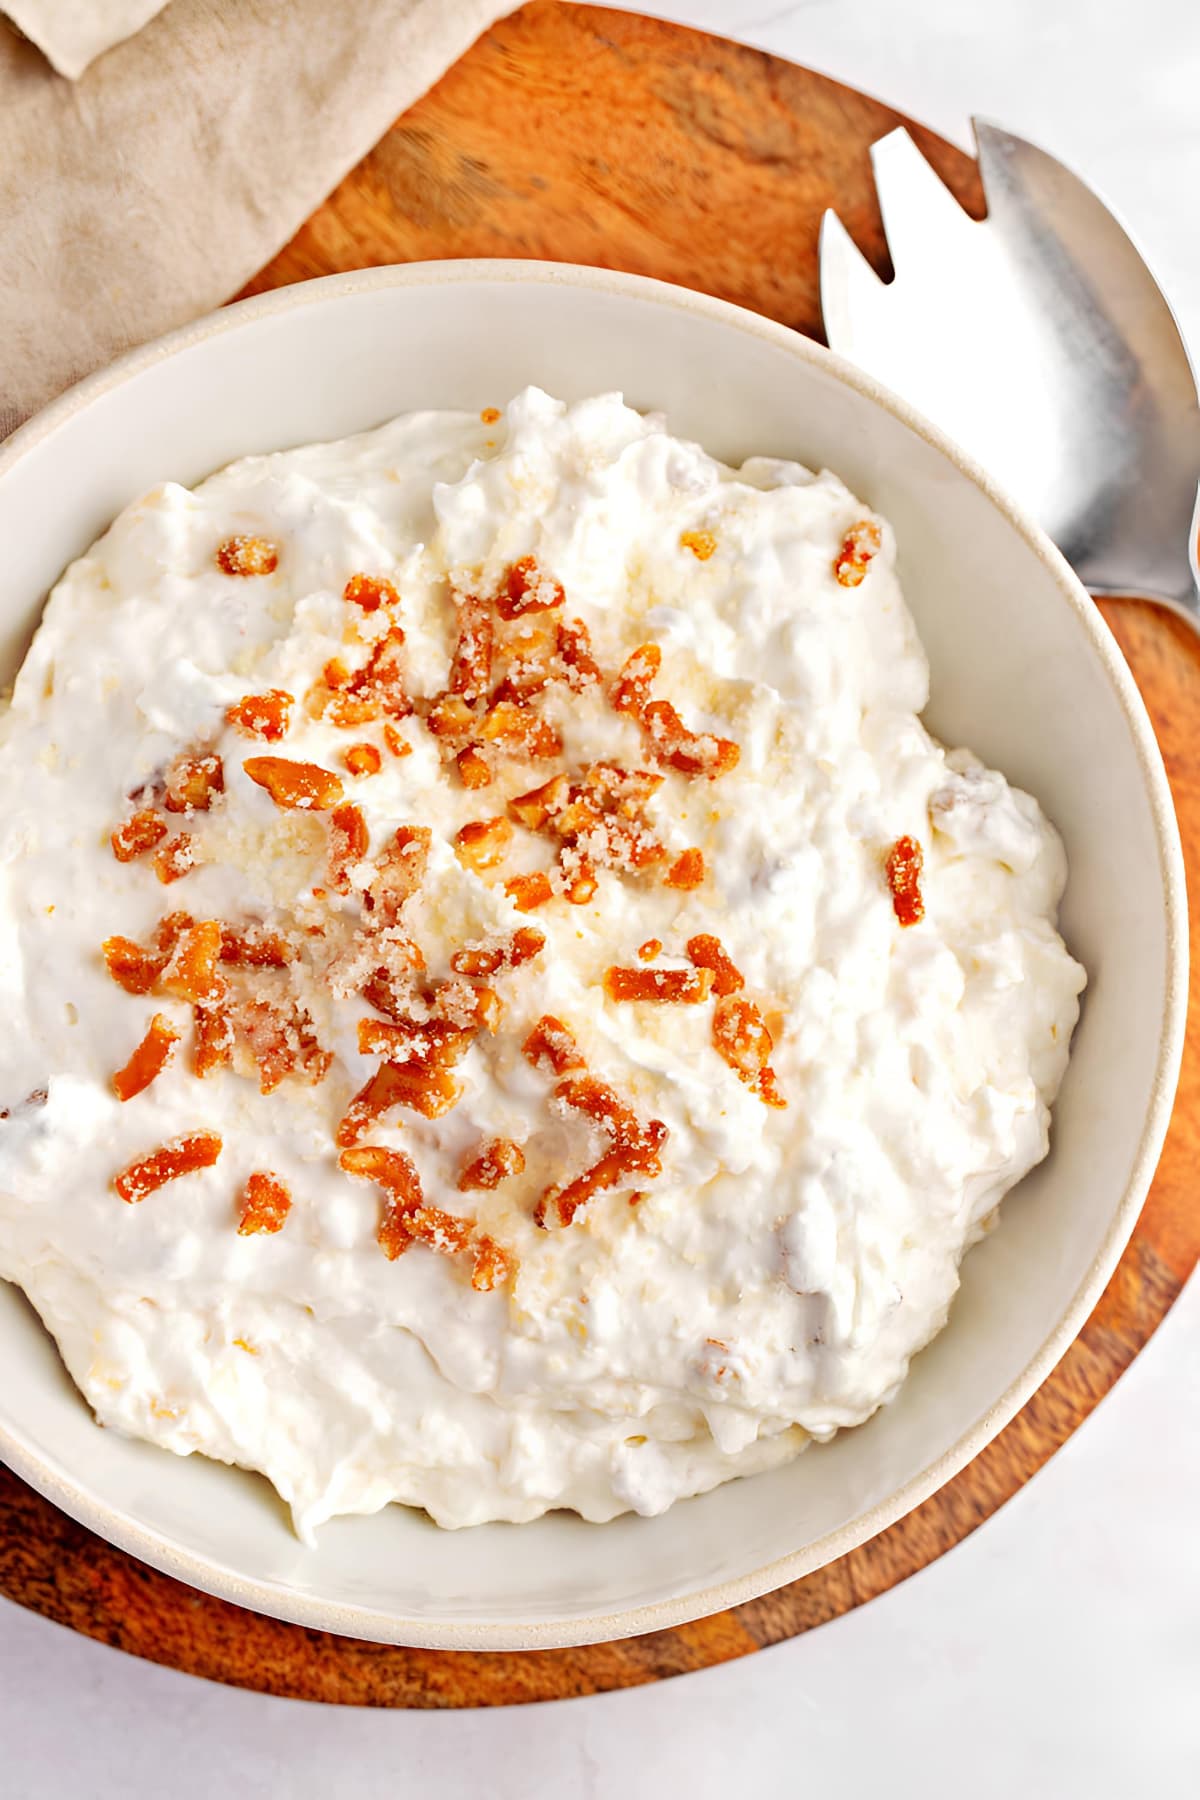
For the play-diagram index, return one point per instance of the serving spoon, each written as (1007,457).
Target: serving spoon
(1041,342)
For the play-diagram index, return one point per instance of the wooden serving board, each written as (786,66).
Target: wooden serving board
(592,136)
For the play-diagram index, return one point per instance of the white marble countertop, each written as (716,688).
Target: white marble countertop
(1057,1651)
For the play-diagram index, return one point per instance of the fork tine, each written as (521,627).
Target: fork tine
(919,211)
(850,288)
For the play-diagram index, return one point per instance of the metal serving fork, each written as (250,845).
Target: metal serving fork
(1040,341)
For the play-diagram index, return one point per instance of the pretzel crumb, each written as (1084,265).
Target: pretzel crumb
(295,786)
(140,832)
(362,759)
(483,843)
(860,546)
(708,952)
(551,1047)
(528,589)
(181,1156)
(192,782)
(370,592)
(175,859)
(631,690)
(148,1060)
(701,544)
(529,891)
(262,715)
(498,1160)
(904,864)
(242,555)
(686,872)
(741,1037)
(474,770)
(265,1204)
(684,987)
(492,956)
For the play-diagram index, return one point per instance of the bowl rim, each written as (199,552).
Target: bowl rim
(70,1492)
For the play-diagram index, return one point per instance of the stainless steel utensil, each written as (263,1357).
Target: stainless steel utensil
(1038,339)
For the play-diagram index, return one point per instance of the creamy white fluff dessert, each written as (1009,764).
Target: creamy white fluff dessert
(507,1006)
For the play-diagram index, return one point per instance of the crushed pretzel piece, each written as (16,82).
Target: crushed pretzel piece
(686,872)
(514,727)
(399,872)
(474,769)
(131,967)
(690,752)
(559,1205)
(904,865)
(370,592)
(740,1035)
(362,759)
(279,1034)
(471,663)
(392,1169)
(708,952)
(600,1103)
(396,742)
(262,715)
(182,1156)
(409,1218)
(493,957)
(255,947)
(493,1266)
(636,1148)
(528,589)
(483,843)
(213,1041)
(531,665)
(498,1160)
(650,949)
(529,891)
(631,690)
(348,841)
(541,803)
(265,1204)
(375,691)
(428,1042)
(176,858)
(450,716)
(148,1060)
(397,1175)
(573,645)
(192,969)
(576,877)
(425,1089)
(685,987)
(701,544)
(295,786)
(860,546)
(766,1085)
(242,555)
(192,781)
(551,1047)
(137,834)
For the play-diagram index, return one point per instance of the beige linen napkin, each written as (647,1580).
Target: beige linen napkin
(149,191)
(73,33)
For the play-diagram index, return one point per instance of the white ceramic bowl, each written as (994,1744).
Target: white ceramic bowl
(1023,670)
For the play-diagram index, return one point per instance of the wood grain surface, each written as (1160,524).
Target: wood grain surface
(592,136)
